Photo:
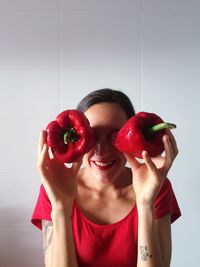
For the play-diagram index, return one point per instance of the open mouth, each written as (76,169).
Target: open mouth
(104,165)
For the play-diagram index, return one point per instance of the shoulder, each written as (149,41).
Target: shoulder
(166,184)
(165,188)
(166,202)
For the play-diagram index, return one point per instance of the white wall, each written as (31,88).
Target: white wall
(54,52)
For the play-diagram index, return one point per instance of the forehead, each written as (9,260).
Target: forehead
(106,114)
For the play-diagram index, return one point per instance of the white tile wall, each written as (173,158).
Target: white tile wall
(187,138)
(18,193)
(99,5)
(29,37)
(18,140)
(171,37)
(29,91)
(91,77)
(184,5)
(177,96)
(21,246)
(100,37)
(53,52)
(186,186)
(29,4)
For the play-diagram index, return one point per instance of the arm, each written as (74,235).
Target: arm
(47,232)
(64,254)
(154,239)
(61,186)
(154,236)
(58,242)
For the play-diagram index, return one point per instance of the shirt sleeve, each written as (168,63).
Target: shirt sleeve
(166,202)
(42,209)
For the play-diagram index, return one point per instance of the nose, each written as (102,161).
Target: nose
(102,147)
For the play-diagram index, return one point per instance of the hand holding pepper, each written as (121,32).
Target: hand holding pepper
(58,180)
(69,137)
(148,176)
(145,136)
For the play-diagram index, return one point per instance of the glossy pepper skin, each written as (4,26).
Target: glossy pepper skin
(70,136)
(137,135)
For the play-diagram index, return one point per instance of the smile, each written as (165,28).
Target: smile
(104,165)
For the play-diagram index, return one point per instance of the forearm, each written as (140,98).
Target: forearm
(149,254)
(64,254)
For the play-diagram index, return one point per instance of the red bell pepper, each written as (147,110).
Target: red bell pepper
(70,136)
(144,131)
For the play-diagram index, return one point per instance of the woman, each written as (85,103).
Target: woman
(106,214)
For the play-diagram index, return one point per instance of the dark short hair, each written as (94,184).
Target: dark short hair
(107,95)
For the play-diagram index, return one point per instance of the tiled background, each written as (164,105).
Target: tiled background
(54,52)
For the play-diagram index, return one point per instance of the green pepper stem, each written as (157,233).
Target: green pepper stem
(70,136)
(160,126)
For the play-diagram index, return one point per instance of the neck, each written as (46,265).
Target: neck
(104,187)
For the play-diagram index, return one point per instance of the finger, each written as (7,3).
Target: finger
(148,161)
(156,177)
(173,142)
(76,166)
(44,157)
(40,144)
(133,161)
(43,168)
(169,154)
(42,140)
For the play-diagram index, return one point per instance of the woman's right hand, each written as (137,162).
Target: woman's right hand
(59,181)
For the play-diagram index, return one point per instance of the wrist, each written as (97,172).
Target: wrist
(62,212)
(144,203)
(61,219)
(145,208)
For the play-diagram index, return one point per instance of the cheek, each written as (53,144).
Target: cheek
(86,157)
(121,159)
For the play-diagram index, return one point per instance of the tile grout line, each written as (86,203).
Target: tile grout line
(60,39)
(141,55)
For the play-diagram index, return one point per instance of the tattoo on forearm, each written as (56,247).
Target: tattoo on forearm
(144,253)
(48,234)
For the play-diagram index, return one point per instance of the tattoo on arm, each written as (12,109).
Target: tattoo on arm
(47,227)
(144,253)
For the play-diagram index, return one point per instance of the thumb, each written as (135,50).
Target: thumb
(76,166)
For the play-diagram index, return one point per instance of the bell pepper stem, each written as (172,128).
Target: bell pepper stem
(161,126)
(70,136)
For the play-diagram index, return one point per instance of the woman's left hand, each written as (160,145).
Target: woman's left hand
(148,176)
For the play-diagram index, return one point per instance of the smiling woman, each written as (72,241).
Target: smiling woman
(104,160)
(106,214)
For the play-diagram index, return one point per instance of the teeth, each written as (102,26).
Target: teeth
(103,164)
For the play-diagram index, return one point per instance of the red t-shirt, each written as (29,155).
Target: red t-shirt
(111,245)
